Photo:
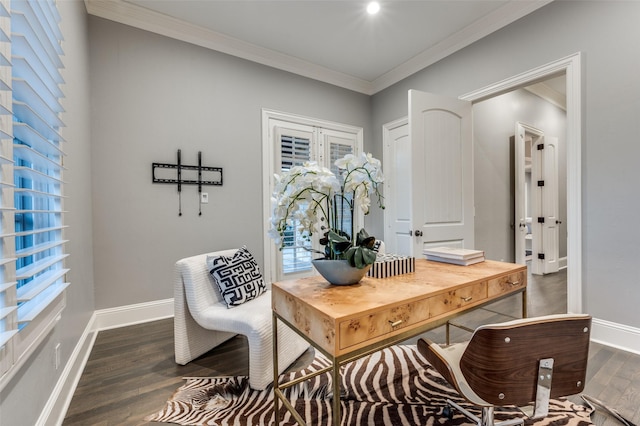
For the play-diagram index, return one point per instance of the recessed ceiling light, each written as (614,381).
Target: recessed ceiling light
(373,8)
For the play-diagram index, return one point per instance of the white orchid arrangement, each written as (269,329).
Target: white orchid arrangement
(316,199)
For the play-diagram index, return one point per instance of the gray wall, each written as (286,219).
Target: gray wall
(23,399)
(493,124)
(607,34)
(152,95)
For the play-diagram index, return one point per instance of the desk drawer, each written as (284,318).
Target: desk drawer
(507,283)
(378,324)
(456,299)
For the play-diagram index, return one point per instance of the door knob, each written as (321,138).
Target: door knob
(418,233)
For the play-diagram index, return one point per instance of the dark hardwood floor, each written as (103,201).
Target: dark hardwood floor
(131,371)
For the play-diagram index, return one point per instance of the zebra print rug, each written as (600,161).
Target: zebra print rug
(395,386)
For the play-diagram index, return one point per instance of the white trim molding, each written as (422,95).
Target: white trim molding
(481,28)
(149,20)
(270,119)
(618,336)
(387,150)
(56,407)
(563,262)
(548,94)
(571,66)
(139,17)
(123,316)
(105,319)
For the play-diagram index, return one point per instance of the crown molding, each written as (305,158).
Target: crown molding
(481,28)
(550,95)
(149,20)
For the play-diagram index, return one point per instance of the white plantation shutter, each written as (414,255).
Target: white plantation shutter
(33,254)
(338,148)
(295,149)
(8,308)
(337,151)
(295,143)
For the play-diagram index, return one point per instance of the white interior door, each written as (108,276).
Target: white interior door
(442,171)
(550,208)
(544,205)
(520,194)
(525,137)
(397,190)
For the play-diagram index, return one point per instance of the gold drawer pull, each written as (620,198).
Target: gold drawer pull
(395,323)
(467,299)
(515,283)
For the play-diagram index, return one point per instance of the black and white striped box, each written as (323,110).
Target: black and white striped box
(389,265)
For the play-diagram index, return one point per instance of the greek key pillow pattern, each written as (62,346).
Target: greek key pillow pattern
(238,277)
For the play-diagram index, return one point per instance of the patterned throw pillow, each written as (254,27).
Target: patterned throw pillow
(238,277)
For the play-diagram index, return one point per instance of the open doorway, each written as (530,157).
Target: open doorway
(496,176)
(507,227)
(570,68)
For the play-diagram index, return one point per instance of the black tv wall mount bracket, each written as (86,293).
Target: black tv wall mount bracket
(213,175)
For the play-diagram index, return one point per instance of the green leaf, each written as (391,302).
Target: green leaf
(349,256)
(369,256)
(341,247)
(365,240)
(339,243)
(358,260)
(362,236)
(335,237)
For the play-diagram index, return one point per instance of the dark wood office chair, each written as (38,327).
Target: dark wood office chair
(517,363)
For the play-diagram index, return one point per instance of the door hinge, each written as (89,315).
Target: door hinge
(540,183)
(540,146)
(541,256)
(541,219)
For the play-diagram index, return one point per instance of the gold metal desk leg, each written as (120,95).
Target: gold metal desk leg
(524,303)
(276,396)
(336,393)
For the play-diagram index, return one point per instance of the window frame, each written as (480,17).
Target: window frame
(323,130)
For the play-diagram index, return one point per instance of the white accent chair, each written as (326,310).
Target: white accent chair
(202,321)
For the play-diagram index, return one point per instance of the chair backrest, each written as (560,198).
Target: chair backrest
(200,289)
(501,361)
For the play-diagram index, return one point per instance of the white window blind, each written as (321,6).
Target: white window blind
(336,151)
(295,149)
(33,274)
(296,144)
(8,308)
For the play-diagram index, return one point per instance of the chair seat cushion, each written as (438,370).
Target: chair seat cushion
(238,277)
(253,316)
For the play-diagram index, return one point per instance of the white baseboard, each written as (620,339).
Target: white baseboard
(562,263)
(616,335)
(54,411)
(104,319)
(133,314)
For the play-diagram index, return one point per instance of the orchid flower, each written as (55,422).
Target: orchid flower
(313,199)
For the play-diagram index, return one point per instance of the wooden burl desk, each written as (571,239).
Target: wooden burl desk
(348,322)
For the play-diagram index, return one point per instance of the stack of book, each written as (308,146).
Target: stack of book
(457,256)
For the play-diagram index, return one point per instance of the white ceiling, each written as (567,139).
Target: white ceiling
(334,41)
